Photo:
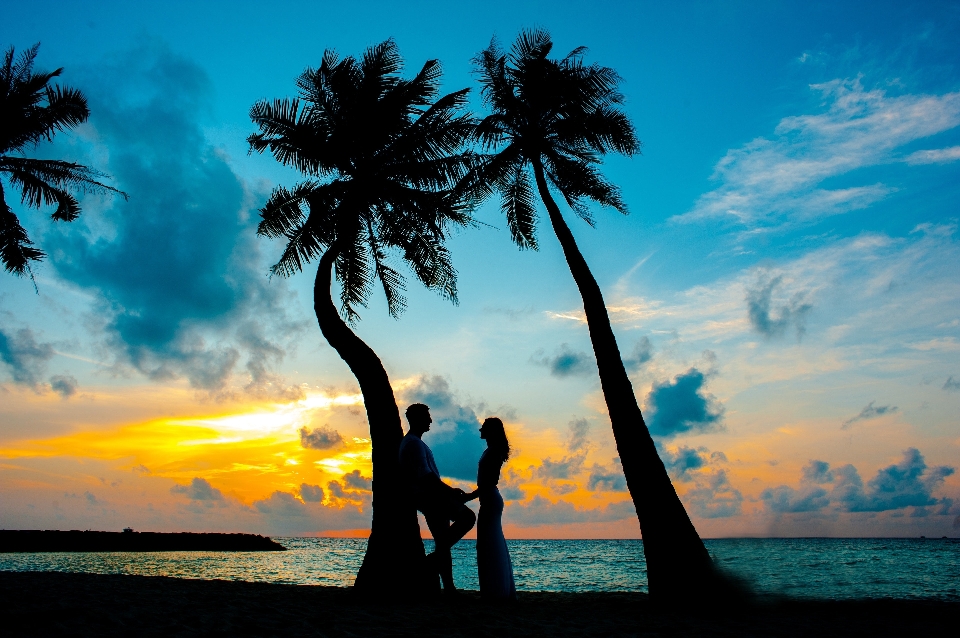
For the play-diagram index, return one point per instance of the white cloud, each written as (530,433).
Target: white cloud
(934,156)
(769,182)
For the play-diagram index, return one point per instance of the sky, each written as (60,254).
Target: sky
(784,290)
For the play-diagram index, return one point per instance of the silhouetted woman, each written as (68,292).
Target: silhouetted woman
(493,558)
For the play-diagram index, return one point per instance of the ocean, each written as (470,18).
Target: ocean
(825,568)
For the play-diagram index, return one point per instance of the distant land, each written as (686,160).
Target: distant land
(131,541)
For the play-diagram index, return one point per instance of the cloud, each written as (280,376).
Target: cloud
(811,497)
(870,412)
(816,472)
(92,499)
(311,493)
(908,483)
(454,437)
(759,300)
(64,384)
(265,384)
(177,268)
(604,479)
(785,499)
(684,460)
(322,438)
(356,481)
(281,504)
(566,362)
(642,353)
(950,385)
(679,406)
(565,469)
(26,358)
(339,495)
(289,516)
(199,489)
(511,492)
(934,156)
(541,511)
(770,182)
(715,497)
(578,435)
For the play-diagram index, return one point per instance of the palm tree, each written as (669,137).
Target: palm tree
(31,111)
(556,118)
(382,155)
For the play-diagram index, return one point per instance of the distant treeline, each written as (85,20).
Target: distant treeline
(86,541)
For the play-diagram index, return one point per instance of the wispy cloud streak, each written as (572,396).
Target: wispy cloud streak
(778,180)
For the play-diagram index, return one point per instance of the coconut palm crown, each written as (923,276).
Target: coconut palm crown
(33,111)
(382,155)
(554,116)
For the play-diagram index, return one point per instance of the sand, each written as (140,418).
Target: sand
(44,603)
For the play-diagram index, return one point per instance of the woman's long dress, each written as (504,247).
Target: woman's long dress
(493,558)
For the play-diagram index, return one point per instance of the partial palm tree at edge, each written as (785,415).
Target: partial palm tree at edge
(33,111)
(382,155)
(556,118)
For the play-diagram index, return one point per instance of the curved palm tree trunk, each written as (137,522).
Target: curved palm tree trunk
(395,550)
(677,561)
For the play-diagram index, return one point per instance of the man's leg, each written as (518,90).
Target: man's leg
(463,521)
(439,526)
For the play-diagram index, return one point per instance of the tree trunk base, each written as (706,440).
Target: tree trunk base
(395,566)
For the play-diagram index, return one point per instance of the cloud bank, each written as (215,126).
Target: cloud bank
(176,271)
(908,483)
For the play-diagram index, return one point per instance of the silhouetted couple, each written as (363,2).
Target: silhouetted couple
(444,508)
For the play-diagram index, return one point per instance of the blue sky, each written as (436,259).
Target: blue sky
(784,290)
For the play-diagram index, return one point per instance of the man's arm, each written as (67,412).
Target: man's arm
(432,484)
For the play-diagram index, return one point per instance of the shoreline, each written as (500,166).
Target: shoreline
(49,603)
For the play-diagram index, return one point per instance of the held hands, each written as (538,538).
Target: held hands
(463,497)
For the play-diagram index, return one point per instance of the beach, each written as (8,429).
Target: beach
(50,603)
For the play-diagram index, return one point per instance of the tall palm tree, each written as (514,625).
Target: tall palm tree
(555,119)
(382,155)
(31,111)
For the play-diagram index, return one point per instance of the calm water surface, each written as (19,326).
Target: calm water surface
(810,568)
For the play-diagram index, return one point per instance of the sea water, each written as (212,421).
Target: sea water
(799,567)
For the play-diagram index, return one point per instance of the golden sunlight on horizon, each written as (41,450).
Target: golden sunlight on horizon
(248,454)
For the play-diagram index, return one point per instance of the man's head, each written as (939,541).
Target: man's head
(418,416)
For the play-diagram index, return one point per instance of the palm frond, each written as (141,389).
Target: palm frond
(306,238)
(34,111)
(517,204)
(284,210)
(392,281)
(352,269)
(40,181)
(16,249)
(577,180)
(66,109)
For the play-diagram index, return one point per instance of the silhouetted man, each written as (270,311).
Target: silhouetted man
(442,505)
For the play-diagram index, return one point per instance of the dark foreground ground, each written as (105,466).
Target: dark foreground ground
(43,603)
